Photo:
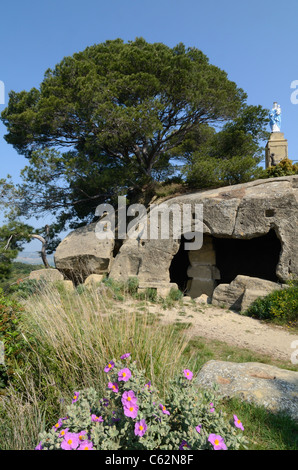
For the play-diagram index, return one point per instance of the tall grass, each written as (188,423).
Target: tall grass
(74,336)
(71,337)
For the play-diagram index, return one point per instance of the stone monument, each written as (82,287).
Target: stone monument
(277,146)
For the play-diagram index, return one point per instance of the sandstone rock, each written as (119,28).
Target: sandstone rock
(81,253)
(254,283)
(265,385)
(203,299)
(226,296)
(68,285)
(93,279)
(241,212)
(162,289)
(50,275)
(249,296)
(242,291)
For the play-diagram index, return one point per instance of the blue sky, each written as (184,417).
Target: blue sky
(255,42)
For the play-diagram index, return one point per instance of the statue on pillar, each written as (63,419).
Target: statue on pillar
(275,117)
(277,146)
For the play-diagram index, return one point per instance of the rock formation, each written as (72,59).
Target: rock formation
(81,253)
(248,229)
(261,384)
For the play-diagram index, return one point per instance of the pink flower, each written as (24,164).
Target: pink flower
(238,423)
(217,442)
(75,397)
(129,398)
(81,435)
(124,375)
(86,445)
(188,374)
(113,386)
(63,432)
(198,428)
(148,385)
(57,425)
(71,441)
(164,410)
(97,419)
(140,428)
(39,446)
(131,411)
(110,366)
(125,356)
(212,409)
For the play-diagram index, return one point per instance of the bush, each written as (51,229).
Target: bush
(280,306)
(10,313)
(131,417)
(24,289)
(284,168)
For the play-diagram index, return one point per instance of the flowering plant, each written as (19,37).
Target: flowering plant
(131,416)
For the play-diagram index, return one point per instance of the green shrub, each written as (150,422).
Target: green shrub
(81,289)
(10,313)
(132,285)
(24,289)
(284,168)
(175,294)
(280,306)
(132,417)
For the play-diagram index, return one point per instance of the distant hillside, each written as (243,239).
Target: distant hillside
(33,257)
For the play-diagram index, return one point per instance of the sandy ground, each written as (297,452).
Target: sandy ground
(232,328)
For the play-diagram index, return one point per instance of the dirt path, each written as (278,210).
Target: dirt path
(232,328)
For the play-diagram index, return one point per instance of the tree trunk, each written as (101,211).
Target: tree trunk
(43,249)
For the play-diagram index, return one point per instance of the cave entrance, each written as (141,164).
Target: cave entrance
(220,260)
(179,267)
(255,257)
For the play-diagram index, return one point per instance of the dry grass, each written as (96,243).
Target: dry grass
(71,337)
(79,333)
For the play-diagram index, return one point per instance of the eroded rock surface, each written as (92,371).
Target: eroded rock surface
(265,385)
(81,253)
(241,212)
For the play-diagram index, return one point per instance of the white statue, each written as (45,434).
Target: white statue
(275,117)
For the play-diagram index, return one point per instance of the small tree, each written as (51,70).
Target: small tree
(12,236)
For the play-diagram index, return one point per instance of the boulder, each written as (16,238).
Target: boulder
(249,296)
(242,212)
(262,384)
(68,286)
(242,292)
(49,275)
(81,253)
(203,299)
(93,279)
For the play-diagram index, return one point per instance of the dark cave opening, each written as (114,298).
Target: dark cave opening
(179,266)
(255,257)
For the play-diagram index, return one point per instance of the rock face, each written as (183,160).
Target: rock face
(240,293)
(248,229)
(81,253)
(275,389)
